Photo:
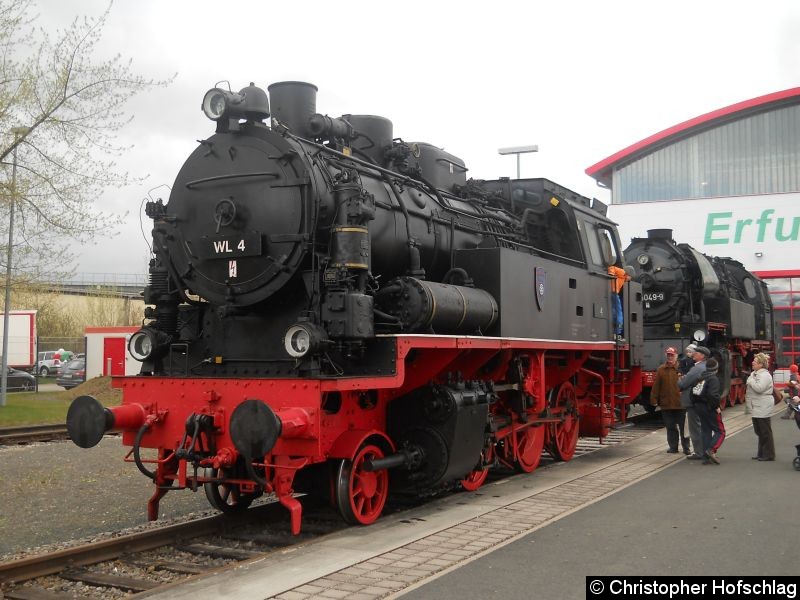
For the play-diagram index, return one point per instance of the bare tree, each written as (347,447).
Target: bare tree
(61,316)
(73,105)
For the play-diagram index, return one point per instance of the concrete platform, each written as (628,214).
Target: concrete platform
(735,519)
(617,511)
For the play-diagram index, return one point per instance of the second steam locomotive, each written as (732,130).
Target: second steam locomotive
(691,297)
(339,312)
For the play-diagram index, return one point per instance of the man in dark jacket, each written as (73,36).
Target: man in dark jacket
(705,397)
(665,393)
(685,384)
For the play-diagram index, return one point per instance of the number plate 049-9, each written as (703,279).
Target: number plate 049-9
(232,246)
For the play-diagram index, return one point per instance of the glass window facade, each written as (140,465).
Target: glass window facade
(785,293)
(756,154)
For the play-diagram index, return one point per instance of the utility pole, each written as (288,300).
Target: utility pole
(17,131)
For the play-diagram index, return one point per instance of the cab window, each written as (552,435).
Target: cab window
(602,250)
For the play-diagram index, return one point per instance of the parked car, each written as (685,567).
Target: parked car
(48,364)
(72,374)
(20,381)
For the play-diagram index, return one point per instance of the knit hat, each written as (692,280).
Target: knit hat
(703,350)
(793,368)
(671,350)
(712,365)
(691,347)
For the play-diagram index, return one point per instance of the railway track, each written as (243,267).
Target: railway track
(27,434)
(141,561)
(32,433)
(128,564)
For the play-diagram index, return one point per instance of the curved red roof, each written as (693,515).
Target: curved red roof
(602,171)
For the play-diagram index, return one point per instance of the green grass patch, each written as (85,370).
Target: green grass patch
(26,408)
(29,408)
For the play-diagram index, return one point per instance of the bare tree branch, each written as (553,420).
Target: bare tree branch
(73,105)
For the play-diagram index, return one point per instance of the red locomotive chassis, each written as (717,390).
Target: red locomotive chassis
(338,427)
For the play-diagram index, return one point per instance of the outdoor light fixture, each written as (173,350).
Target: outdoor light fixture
(518,150)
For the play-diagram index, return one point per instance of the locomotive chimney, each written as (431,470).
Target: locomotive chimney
(659,234)
(293,103)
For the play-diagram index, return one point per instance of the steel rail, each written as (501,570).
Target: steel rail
(95,552)
(14,435)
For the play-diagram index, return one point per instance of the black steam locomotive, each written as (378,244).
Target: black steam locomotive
(691,297)
(331,302)
(320,233)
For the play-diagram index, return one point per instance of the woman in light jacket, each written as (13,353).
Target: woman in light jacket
(760,401)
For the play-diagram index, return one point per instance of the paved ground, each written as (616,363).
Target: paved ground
(690,519)
(50,387)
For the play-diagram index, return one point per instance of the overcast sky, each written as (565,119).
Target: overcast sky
(582,79)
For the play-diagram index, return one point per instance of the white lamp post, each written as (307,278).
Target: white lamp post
(17,131)
(518,150)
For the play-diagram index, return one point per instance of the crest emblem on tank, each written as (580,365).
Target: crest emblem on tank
(540,281)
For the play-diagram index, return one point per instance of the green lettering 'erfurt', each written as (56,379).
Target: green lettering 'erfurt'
(720,225)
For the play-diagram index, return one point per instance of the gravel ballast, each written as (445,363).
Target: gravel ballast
(57,492)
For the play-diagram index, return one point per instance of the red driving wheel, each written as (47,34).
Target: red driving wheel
(361,494)
(530,442)
(564,434)
(476,478)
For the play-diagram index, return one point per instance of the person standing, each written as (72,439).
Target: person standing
(665,393)
(759,399)
(685,384)
(792,390)
(705,397)
(618,278)
(687,362)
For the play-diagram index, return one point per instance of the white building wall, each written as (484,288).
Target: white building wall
(95,347)
(739,227)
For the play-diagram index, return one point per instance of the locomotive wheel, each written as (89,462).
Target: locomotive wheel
(476,478)
(564,435)
(530,443)
(361,494)
(226,497)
